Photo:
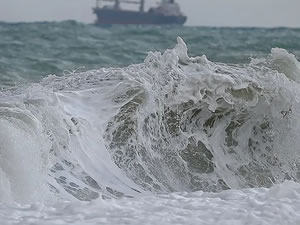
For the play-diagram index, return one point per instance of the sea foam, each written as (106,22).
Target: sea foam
(171,124)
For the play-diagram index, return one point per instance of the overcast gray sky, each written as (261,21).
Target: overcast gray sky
(268,13)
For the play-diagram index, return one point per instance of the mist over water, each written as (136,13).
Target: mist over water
(147,118)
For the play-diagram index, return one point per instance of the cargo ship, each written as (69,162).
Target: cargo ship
(167,12)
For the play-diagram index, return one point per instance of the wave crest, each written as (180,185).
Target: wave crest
(172,123)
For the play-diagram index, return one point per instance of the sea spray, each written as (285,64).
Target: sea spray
(23,155)
(199,125)
(173,123)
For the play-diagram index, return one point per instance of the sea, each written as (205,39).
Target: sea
(149,125)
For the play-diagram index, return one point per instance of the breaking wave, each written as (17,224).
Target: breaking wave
(173,123)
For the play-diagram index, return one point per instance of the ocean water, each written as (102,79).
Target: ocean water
(149,125)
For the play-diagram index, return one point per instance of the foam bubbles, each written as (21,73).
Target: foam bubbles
(172,123)
(21,159)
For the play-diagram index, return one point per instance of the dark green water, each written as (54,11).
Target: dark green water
(30,51)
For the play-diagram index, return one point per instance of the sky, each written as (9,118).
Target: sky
(258,13)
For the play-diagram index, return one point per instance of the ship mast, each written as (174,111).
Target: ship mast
(117,4)
(142,5)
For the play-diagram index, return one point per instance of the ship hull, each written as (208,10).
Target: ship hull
(112,16)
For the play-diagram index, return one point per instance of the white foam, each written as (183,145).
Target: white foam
(171,124)
(283,62)
(249,206)
(23,172)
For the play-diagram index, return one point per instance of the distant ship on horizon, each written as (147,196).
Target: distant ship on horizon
(168,12)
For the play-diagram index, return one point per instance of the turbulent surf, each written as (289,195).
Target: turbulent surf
(173,123)
(173,128)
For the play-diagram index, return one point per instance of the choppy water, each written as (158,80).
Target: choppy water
(31,51)
(143,122)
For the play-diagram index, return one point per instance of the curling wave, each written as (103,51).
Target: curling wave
(172,123)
